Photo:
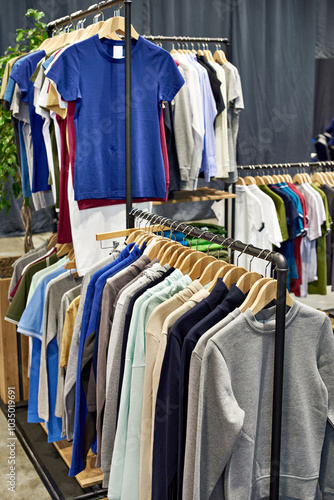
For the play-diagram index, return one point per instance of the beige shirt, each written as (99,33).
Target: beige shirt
(68,328)
(158,327)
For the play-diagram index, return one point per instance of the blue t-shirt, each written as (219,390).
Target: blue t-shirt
(26,190)
(88,73)
(31,324)
(21,75)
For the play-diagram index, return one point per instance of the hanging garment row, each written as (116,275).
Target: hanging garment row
(68,106)
(294,216)
(150,361)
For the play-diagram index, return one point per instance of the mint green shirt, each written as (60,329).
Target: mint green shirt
(133,382)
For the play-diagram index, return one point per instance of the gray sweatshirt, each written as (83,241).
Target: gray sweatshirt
(235,409)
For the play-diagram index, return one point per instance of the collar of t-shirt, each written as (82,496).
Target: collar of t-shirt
(91,288)
(94,319)
(296,201)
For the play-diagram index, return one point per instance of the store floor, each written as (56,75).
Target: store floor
(28,484)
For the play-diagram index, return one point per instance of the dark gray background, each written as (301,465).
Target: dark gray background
(284,50)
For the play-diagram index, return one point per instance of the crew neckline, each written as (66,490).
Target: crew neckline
(134,48)
(269,327)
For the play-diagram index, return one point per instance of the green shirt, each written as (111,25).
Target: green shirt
(280,209)
(319,286)
(19,301)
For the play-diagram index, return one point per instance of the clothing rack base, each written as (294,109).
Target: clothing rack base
(88,477)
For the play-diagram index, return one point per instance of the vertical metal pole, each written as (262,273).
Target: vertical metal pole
(19,362)
(278,382)
(128,115)
(233,212)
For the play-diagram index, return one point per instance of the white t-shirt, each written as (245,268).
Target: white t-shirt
(85,224)
(221,134)
(272,231)
(249,221)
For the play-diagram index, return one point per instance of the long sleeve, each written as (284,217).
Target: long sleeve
(220,420)
(183,131)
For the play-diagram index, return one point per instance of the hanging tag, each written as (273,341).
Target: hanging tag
(118,52)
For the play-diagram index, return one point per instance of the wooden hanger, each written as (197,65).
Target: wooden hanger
(179,253)
(220,56)
(233,275)
(211,270)
(268,293)
(298,179)
(287,178)
(276,179)
(249,180)
(52,241)
(182,258)
(240,182)
(208,55)
(92,30)
(186,265)
(63,249)
(165,248)
(71,254)
(200,265)
(259,180)
(153,252)
(318,177)
(253,293)
(169,252)
(247,280)
(220,274)
(200,52)
(330,178)
(114,24)
(281,178)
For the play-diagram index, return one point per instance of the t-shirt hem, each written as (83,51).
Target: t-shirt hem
(30,333)
(119,197)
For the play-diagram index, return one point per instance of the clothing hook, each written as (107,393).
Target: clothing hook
(244,250)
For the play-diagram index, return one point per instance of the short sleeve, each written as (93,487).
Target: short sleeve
(65,72)
(21,77)
(170,79)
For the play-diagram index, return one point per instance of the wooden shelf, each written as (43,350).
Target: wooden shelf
(88,477)
(200,194)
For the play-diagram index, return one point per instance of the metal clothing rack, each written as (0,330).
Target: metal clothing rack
(190,39)
(279,261)
(318,164)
